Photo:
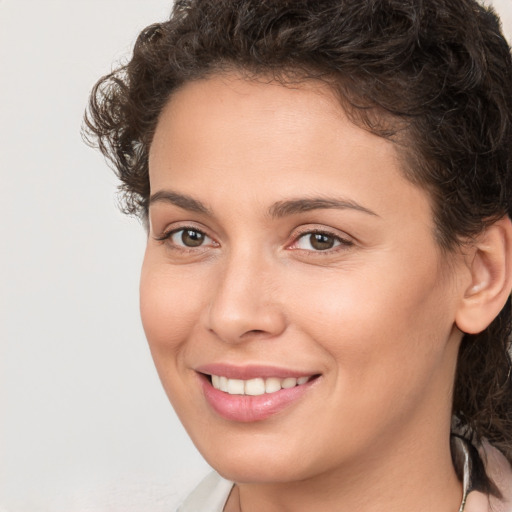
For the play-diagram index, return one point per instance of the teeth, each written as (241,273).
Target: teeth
(255,387)
(272,385)
(290,382)
(235,387)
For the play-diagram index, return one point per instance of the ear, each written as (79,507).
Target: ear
(490,278)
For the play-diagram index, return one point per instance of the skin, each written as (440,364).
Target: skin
(374,315)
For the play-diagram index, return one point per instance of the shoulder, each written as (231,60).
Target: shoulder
(500,472)
(210,495)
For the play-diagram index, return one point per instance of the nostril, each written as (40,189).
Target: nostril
(234,321)
(254,333)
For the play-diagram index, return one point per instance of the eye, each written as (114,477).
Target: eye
(319,241)
(189,238)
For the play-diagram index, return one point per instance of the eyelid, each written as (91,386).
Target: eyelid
(345,241)
(169,231)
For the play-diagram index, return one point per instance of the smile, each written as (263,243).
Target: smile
(252,393)
(256,386)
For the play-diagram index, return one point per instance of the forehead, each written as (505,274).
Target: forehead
(223,105)
(271,141)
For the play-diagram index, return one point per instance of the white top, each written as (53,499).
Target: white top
(209,496)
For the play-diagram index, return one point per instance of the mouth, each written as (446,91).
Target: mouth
(255,398)
(257,386)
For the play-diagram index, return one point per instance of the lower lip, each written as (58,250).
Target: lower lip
(246,408)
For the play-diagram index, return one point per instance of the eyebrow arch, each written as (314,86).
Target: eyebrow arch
(180,200)
(277,210)
(294,206)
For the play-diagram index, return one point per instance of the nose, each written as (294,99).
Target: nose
(244,305)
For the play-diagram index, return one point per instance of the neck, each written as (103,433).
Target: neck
(416,476)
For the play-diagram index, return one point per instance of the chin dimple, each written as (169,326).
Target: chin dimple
(257,386)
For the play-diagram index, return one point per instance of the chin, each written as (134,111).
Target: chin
(259,472)
(251,463)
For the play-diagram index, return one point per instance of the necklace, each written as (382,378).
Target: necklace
(466,480)
(462,505)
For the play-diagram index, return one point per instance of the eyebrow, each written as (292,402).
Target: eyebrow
(294,206)
(277,210)
(180,200)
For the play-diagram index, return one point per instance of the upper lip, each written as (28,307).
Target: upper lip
(250,371)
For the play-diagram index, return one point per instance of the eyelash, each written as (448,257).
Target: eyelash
(340,242)
(167,235)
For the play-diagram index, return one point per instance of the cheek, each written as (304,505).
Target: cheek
(386,345)
(170,307)
(377,324)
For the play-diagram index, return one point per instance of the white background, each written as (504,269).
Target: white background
(84,424)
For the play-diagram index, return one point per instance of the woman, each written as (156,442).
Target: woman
(326,286)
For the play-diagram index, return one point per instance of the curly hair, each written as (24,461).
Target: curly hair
(434,76)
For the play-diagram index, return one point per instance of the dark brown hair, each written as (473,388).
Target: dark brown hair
(435,76)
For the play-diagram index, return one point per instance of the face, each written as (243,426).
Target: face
(292,292)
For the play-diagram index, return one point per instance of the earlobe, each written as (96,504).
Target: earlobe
(490,280)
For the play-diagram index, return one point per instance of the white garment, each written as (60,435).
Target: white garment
(209,496)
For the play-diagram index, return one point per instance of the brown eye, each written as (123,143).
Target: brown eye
(317,241)
(192,238)
(321,241)
(188,237)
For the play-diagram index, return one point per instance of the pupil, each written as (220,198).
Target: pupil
(192,238)
(321,242)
